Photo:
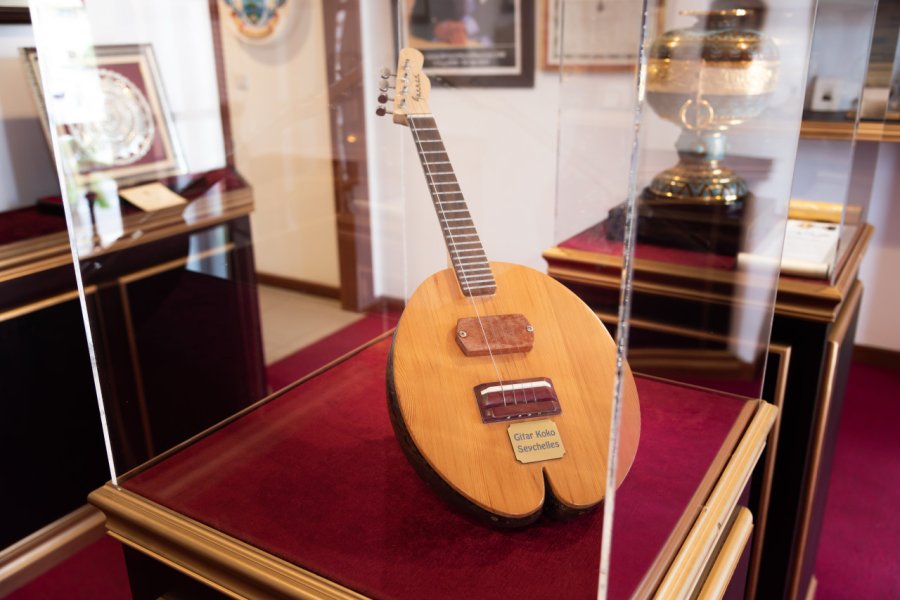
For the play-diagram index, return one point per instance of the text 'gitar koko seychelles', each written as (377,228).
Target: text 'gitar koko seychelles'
(534,441)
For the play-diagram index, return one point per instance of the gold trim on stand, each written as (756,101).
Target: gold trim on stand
(867,131)
(47,547)
(243,571)
(42,253)
(797,297)
(685,574)
(31,307)
(765,491)
(729,556)
(175,263)
(221,561)
(829,372)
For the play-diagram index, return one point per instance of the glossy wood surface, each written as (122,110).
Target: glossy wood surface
(434,382)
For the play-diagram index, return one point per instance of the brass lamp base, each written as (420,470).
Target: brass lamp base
(698,204)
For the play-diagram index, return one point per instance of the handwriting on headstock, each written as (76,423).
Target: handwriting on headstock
(411,88)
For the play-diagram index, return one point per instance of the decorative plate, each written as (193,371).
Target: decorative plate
(257,21)
(126,134)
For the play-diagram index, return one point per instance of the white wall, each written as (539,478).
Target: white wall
(879,325)
(278,97)
(503,145)
(181,35)
(26,169)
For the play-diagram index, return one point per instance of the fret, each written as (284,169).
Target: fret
(473,271)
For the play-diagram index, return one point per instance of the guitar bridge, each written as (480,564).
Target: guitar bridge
(514,400)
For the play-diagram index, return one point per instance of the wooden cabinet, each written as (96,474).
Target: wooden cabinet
(676,313)
(176,285)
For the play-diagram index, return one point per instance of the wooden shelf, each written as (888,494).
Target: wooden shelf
(868,131)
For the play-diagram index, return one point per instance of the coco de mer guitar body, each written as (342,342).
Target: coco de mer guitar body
(500,379)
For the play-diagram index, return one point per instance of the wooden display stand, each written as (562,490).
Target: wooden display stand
(308,495)
(144,284)
(683,301)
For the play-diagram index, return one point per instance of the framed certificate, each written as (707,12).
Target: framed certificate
(486,43)
(601,35)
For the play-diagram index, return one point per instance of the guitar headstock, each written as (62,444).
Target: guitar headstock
(411,88)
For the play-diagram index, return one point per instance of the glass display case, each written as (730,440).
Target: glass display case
(828,213)
(267,227)
(50,421)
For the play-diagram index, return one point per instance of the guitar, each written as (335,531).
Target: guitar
(500,379)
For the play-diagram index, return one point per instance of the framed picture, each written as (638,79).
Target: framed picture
(128,133)
(14,12)
(486,43)
(601,35)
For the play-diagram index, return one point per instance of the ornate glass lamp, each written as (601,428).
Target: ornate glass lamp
(705,78)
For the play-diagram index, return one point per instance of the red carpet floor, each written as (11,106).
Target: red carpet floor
(304,361)
(859,551)
(860,543)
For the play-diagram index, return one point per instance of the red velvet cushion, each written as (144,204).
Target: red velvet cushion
(317,478)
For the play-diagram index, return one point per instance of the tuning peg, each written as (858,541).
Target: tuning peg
(384,87)
(386,74)
(381,111)
(383,98)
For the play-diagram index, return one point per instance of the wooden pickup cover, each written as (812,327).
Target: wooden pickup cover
(506,334)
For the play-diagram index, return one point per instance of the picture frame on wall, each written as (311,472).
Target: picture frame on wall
(472,43)
(14,12)
(128,135)
(592,37)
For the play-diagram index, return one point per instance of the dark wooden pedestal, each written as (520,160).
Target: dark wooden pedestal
(681,317)
(293,499)
(148,293)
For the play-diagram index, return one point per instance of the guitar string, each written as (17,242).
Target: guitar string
(513,362)
(490,332)
(461,269)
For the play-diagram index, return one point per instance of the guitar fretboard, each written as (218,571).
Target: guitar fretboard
(473,272)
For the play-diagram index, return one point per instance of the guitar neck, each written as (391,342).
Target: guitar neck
(473,272)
